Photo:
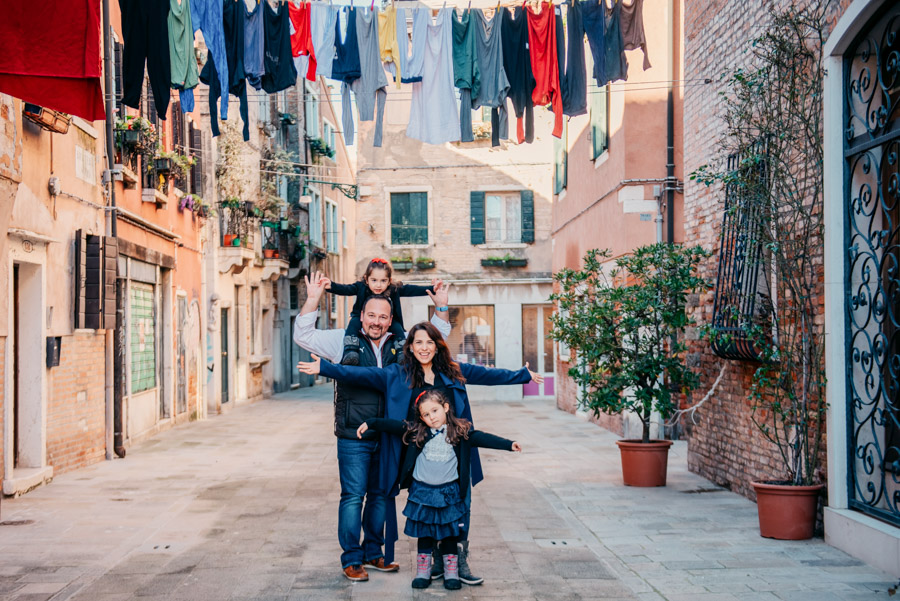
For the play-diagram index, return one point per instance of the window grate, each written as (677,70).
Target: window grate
(741,294)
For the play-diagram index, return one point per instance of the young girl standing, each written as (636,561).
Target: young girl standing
(436,471)
(377,280)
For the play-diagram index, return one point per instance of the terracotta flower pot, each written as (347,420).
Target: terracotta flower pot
(644,464)
(786,512)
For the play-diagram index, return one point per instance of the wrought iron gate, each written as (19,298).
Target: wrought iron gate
(871,85)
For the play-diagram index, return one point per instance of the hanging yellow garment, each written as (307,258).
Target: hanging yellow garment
(387,40)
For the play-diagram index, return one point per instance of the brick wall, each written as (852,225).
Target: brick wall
(724,445)
(76,404)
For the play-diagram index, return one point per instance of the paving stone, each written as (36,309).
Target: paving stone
(243,506)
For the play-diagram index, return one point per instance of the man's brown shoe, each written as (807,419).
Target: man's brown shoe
(378,564)
(356,573)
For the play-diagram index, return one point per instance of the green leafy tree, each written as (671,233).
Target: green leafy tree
(625,320)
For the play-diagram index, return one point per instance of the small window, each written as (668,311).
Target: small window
(561,161)
(599,104)
(315,218)
(409,218)
(331,233)
(312,111)
(502,217)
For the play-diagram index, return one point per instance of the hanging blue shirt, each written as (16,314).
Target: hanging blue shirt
(254,46)
(206,16)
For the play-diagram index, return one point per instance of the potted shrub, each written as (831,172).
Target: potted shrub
(137,134)
(625,322)
(778,180)
(425,263)
(162,164)
(402,263)
(492,262)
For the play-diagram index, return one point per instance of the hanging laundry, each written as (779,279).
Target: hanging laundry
(542,46)
(322,20)
(517,64)
(560,52)
(51,56)
(433,116)
(412,53)
(280,71)
(206,16)
(616,64)
(388,42)
(301,38)
(145,27)
(346,49)
(254,45)
(185,75)
(633,28)
(233,28)
(594,16)
(370,86)
(494,83)
(465,70)
(574,84)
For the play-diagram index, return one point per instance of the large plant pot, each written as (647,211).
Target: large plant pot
(787,512)
(644,464)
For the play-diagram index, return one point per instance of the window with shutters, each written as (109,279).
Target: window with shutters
(312,111)
(409,218)
(502,217)
(599,109)
(195,149)
(142,319)
(499,218)
(561,161)
(119,81)
(315,218)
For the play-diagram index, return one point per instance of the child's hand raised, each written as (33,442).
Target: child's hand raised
(535,377)
(312,367)
(515,447)
(362,429)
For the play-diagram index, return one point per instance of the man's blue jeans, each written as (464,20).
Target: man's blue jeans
(358,468)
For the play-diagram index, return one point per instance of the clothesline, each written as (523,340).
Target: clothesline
(463,59)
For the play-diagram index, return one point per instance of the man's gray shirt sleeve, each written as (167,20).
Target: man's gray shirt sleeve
(328,344)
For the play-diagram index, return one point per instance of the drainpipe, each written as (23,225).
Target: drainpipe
(114,348)
(670,126)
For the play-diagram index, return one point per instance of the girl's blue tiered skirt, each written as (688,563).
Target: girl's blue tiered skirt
(433,511)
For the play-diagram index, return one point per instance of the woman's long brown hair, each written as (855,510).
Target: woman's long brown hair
(417,432)
(442,363)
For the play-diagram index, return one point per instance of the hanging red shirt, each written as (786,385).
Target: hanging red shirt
(50,55)
(542,48)
(301,40)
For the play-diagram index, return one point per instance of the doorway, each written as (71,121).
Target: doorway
(538,349)
(27,367)
(224,355)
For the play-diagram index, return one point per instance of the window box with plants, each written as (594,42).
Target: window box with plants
(626,326)
(492,262)
(318,147)
(235,222)
(425,263)
(136,134)
(510,261)
(402,263)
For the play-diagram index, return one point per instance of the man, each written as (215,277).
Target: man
(363,503)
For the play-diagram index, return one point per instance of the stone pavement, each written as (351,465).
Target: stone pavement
(244,506)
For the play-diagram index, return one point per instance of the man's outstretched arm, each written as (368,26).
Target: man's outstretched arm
(325,343)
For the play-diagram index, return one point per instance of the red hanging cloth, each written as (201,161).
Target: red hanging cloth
(542,48)
(301,40)
(50,55)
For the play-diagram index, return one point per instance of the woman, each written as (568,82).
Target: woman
(426,364)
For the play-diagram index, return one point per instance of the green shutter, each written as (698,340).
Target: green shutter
(399,208)
(527,216)
(476,204)
(418,217)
